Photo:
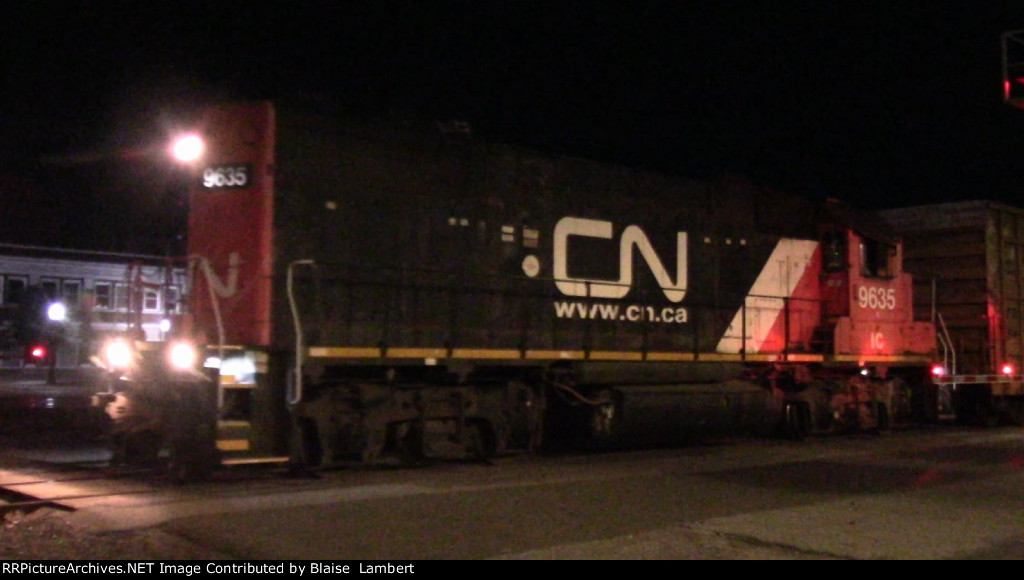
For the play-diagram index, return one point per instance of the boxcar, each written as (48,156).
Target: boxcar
(969,277)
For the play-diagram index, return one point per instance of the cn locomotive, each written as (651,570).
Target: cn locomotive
(390,291)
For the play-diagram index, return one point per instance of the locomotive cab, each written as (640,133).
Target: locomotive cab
(868,301)
(872,347)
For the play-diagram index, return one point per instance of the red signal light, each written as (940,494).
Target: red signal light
(37,352)
(1006,369)
(938,370)
(1013,88)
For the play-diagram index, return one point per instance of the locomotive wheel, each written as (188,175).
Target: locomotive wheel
(882,420)
(307,446)
(480,442)
(190,460)
(185,469)
(410,444)
(138,449)
(796,420)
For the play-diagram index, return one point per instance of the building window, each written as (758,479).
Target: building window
(50,288)
(14,289)
(71,291)
(104,293)
(121,297)
(171,299)
(150,301)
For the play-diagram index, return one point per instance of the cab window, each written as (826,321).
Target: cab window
(834,247)
(877,258)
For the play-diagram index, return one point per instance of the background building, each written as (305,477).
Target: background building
(104,293)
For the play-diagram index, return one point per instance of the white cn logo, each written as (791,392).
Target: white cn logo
(631,237)
(219,287)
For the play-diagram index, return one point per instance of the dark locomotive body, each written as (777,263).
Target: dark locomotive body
(385,289)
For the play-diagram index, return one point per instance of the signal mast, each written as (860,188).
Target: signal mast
(1013,68)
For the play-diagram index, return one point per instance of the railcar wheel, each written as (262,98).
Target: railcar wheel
(988,417)
(796,420)
(1016,412)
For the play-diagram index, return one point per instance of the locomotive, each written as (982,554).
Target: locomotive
(392,291)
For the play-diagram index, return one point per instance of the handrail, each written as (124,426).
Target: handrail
(296,396)
(947,346)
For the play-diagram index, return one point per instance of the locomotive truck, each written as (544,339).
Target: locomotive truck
(393,291)
(969,279)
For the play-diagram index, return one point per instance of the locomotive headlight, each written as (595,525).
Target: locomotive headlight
(187,148)
(183,356)
(118,354)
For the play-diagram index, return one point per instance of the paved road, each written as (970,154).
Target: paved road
(927,494)
(937,494)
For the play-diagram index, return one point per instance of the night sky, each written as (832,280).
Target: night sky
(880,104)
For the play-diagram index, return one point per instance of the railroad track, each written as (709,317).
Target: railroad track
(18,495)
(32,488)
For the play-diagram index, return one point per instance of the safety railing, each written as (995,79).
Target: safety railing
(423,308)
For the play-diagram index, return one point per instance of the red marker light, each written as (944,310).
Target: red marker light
(938,370)
(37,352)
(1006,369)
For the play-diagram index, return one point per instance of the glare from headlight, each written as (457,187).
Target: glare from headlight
(118,354)
(183,356)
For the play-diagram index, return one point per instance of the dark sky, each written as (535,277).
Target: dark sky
(881,104)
